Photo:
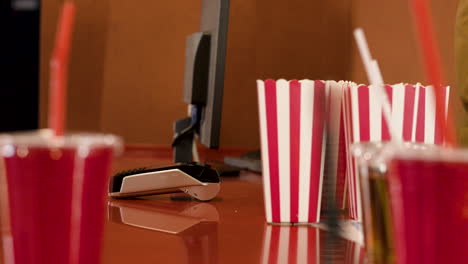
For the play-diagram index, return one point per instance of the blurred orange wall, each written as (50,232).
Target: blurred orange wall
(128,57)
(390,32)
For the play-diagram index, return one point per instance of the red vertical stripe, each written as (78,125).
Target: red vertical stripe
(421,119)
(362,255)
(272,131)
(312,245)
(364,111)
(295,128)
(293,244)
(385,129)
(408,112)
(274,244)
(317,144)
(348,252)
(438,135)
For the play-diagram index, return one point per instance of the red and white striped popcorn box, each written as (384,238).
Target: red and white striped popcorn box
(294,116)
(425,128)
(412,116)
(303,244)
(336,144)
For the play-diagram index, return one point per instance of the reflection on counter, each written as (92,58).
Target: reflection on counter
(195,223)
(306,244)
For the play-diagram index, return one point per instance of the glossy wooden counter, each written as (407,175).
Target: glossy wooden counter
(230,229)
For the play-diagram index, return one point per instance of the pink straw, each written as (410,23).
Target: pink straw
(59,69)
(421,14)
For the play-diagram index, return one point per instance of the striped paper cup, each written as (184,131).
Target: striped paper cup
(294,116)
(412,115)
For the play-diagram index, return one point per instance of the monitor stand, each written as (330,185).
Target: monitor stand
(183,141)
(184,148)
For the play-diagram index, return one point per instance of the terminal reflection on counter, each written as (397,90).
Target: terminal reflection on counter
(195,223)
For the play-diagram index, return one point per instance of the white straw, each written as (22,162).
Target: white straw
(375,78)
(387,109)
(364,51)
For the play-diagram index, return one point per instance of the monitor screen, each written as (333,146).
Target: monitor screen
(205,58)
(19,61)
(214,22)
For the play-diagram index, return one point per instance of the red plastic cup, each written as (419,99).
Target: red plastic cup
(372,162)
(53,191)
(429,200)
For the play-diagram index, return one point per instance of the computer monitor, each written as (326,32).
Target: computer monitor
(214,21)
(205,60)
(19,61)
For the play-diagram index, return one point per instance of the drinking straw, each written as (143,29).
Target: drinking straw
(375,77)
(59,69)
(432,66)
(364,52)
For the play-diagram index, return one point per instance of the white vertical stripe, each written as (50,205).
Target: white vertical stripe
(264,144)
(429,120)
(283,247)
(398,99)
(375,113)
(266,245)
(447,100)
(284,154)
(302,244)
(307,106)
(415,112)
(77,196)
(355,113)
